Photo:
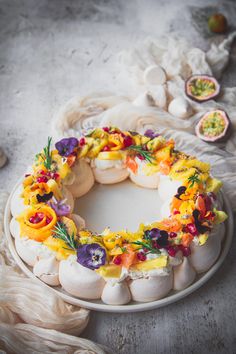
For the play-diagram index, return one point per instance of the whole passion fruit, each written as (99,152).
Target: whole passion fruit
(217,23)
(202,88)
(214,126)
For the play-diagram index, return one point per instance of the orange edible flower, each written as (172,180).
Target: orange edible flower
(186,239)
(128,257)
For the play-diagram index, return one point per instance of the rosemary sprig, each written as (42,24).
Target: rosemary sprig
(194,179)
(147,245)
(46,155)
(61,233)
(147,155)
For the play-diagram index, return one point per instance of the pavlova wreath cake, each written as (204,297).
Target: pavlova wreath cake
(120,266)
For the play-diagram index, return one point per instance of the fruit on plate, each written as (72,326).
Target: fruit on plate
(213,126)
(201,88)
(217,23)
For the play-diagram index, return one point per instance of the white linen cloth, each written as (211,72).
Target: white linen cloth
(34,319)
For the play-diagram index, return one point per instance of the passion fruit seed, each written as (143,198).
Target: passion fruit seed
(202,87)
(217,23)
(213,126)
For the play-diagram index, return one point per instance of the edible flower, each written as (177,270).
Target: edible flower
(151,134)
(60,207)
(66,146)
(91,256)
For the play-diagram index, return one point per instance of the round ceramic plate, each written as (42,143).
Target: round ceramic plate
(122,204)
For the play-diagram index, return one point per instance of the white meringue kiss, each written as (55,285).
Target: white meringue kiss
(84,179)
(110,175)
(203,257)
(184,275)
(80,281)
(180,107)
(48,271)
(154,75)
(151,289)
(116,293)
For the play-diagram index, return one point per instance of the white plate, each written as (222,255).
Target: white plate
(133,306)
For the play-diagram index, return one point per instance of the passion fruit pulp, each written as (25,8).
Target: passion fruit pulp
(214,126)
(201,88)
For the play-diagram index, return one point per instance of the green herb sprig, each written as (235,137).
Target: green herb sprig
(60,232)
(148,246)
(147,155)
(194,179)
(46,155)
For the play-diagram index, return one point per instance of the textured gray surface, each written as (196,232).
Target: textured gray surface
(53,50)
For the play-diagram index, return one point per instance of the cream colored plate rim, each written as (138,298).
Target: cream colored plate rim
(134,306)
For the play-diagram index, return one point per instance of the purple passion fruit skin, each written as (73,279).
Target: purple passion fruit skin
(213,126)
(202,88)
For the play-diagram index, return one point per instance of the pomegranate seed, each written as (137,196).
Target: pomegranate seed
(175,212)
(145,249)
(42,172)
(191,228)
(42,179)
(173,234)
(82,142)
(106,148)
(128,141)
(106,129)
(117,260)
(55,175)
(171,251)
(141,157)
(185,250)
(141,256)
(48,220)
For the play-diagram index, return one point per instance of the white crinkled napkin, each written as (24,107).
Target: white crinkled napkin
(33,319)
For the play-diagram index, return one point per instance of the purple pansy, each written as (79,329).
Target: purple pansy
(91,255)
(159,237)
(151,134)
(60,208)
(66,146)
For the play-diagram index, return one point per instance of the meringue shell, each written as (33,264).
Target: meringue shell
(84,179)
(80,281)
(151,289)
(48,271)
(17,204)
(167,188)
(184,275)
(110,175)
(151,182)
(14,228)
(78,220)
(203,257)
(116,294)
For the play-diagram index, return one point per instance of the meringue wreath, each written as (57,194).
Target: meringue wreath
(118,266)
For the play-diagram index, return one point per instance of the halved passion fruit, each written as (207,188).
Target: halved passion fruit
(202,88)
(213,126)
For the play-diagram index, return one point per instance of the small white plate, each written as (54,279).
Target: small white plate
(133,306)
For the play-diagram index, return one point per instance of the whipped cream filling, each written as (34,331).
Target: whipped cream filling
(106,164)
